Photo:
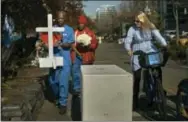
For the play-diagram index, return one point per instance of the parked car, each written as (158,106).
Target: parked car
(170,34)
(121,39)
(183,40)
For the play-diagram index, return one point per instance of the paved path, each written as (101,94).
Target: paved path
(172,74)
(111,53)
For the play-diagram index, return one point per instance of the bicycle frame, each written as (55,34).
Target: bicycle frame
(154,90)
(151,84)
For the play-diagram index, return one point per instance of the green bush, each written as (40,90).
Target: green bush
(177,52)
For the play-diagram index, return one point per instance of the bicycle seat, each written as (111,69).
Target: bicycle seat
(183,85)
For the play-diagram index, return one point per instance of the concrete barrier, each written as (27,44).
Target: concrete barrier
(107,93)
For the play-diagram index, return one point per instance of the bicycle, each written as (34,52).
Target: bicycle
(151,63)
(182,100)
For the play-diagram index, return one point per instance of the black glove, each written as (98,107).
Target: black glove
(82,45)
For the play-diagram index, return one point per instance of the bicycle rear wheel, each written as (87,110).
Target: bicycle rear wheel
(161,100)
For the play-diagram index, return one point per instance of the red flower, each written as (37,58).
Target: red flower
(56,37)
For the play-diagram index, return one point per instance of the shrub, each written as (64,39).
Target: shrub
(177,52)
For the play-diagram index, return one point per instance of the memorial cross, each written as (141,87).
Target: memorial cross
(51,60)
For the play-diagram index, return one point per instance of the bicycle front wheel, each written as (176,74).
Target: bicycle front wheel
(161,100)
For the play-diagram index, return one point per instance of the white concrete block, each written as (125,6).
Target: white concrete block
(106,93)
(47,62)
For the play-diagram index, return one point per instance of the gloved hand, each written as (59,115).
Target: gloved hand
(82,45)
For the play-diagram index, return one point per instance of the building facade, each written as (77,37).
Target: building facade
(105,12)
(105,16)
(165,9)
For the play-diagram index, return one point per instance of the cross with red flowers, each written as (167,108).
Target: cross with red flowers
(51,60)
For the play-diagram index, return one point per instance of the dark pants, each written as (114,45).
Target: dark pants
(136,86)
(76,101)
(76,73)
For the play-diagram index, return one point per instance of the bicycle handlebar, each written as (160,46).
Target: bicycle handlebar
(140,52)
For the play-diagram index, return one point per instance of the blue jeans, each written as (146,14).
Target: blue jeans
(76,74)
(59,81)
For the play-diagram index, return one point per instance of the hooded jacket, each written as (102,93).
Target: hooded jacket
(87,53)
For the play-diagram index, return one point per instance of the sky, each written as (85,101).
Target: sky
(91,6)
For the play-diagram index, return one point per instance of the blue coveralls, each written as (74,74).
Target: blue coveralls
(59,78)
(76,73)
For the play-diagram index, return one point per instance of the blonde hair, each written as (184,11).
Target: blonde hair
(146,23)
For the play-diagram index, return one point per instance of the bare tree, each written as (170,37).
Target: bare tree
(126,11)
(176,4)
(32,13)
(72,7)
(129,8)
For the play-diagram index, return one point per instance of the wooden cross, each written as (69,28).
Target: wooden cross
(51,60)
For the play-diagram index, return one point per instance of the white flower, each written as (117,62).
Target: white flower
(35,62)
(84,39)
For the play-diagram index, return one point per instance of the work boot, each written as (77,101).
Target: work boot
(63,110)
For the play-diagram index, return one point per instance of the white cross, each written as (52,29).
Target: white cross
(51,60)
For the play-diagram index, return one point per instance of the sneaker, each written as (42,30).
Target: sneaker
(63,110)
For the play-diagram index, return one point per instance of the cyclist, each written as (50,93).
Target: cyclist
(139,37)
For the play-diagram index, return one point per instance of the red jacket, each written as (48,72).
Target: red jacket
(88,53)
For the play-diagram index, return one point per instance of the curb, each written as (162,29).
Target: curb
(23,104)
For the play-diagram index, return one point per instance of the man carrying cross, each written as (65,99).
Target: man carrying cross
(59,77)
